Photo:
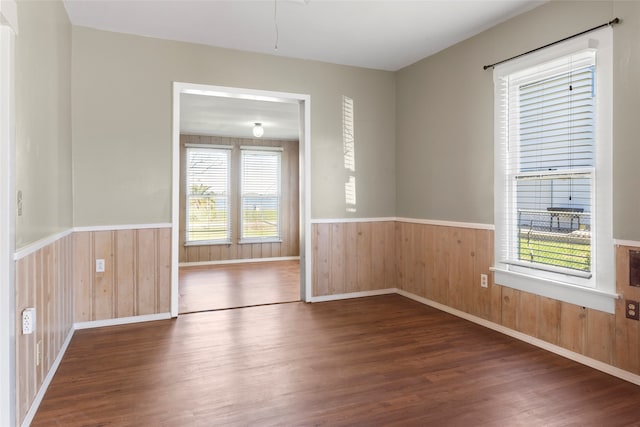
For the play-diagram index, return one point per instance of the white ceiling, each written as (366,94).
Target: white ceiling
(214,115)
(386,35)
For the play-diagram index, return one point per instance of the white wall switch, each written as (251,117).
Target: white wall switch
(28,320)
(99,266)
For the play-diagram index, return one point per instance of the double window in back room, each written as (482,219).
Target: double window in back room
(553,172)
(210,174)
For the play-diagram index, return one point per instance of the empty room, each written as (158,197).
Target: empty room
(309,212)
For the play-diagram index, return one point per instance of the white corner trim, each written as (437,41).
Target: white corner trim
(576,357)
(42,243)
(122,227)
(122,321)
(475,225)
(47,381)
(632,243)
(238,261)
(345,220)
(336,297)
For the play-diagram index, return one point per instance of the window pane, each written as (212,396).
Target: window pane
(552,192)
(260,194)
(554,221)
(556,122)
(207,194)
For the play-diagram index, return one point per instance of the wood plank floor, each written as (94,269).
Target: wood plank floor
(382,360)
(238,285)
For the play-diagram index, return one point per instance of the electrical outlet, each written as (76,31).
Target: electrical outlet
(99,266)
(632,309)
(484,281)
(28,320)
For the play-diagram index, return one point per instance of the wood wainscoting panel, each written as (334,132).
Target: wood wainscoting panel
(43,281)
(338,262)
(461,250)
(600,335)
(125,272)
(364,255)
(136,280)
(573,327)
(103,284)
(441,264)
(549,315)
(627,348)
(352,257)
(453,259)
(321,247)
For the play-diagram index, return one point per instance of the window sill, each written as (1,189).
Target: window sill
(207,243)
(253,241)
(572,294)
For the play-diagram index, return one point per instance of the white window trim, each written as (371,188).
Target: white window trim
(599,293)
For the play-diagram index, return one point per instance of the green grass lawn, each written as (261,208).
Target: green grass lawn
(576,256)
(260,224)
(206,225)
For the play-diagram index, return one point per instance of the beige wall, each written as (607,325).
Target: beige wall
(43,175)
(122,106)
(444,115)
(43,120)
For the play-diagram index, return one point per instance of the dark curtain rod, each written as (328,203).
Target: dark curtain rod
(608,24)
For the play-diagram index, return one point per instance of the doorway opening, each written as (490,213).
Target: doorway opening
(241,205)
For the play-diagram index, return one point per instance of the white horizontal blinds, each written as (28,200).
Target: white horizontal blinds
(207,193)
(552,146)
(260,204)
(556,122)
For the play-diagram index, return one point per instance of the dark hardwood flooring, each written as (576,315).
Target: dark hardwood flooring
(238,285)
(382,360)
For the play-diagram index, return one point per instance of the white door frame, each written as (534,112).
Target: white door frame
(8,31)
(304,101)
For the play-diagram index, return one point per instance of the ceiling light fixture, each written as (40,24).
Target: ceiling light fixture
(258,130)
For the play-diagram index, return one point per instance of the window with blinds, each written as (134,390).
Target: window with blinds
(552,159)
(553,172)
(260,194)
(207,194)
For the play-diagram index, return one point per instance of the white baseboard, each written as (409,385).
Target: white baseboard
(122,321)
(47,380)
(350,295)
(561,351)
(238,261)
